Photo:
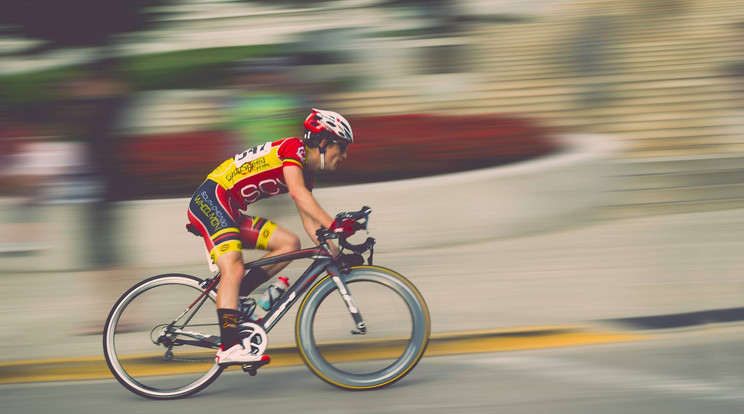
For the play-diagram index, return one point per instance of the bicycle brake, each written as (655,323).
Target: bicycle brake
(347,261)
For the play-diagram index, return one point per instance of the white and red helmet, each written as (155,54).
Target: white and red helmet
(321,124)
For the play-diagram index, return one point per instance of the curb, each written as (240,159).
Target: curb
(680,320)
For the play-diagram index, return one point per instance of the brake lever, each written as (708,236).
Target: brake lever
(366,211)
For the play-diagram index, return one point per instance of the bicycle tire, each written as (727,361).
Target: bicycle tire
(329,365)
(176,292)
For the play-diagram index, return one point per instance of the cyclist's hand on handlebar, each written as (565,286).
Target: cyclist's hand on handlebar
(344,228)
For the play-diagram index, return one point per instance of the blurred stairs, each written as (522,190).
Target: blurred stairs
(653,77)
(684,184)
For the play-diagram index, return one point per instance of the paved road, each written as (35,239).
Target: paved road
(698,371)
(634,267)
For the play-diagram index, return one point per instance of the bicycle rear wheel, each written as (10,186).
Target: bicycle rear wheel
(397,323)
(156,344)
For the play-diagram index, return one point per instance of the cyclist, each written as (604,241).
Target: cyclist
(284,166)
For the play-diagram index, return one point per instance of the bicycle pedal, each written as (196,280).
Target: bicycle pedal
(254,366)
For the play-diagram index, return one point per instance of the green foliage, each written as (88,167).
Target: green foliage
(186,69)
(32,87)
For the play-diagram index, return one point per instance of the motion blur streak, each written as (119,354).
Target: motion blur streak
(530,162)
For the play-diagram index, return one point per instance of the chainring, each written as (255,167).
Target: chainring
(253,337)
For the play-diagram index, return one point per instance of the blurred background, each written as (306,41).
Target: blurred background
(118,101)
(585,112)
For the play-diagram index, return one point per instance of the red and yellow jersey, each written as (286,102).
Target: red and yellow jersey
(258,173)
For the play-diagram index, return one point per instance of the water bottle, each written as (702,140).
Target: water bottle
(273,293)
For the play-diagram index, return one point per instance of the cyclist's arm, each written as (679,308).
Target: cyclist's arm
(312,214)
(310,226)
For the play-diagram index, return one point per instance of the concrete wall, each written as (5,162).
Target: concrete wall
(513,200)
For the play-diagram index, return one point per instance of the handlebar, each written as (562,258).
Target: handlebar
(361,219)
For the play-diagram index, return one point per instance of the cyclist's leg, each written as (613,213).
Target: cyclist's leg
(282,241)
(211,213)
(231,267)
(260,233)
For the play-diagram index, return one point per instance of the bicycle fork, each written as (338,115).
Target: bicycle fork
(361,326)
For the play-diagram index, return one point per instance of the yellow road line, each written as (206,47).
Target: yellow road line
(515,343)
(439,344)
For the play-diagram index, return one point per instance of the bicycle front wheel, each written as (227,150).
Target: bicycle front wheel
(397,329)
(161,336)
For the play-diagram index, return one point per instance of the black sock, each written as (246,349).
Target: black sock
(255,278)
(228,319)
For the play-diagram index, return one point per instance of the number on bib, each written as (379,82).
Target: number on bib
(251,154)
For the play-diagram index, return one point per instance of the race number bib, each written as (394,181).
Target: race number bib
(252,154)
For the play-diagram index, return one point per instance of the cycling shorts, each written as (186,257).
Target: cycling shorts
(214,213)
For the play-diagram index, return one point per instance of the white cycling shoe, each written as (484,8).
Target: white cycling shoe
(236,355)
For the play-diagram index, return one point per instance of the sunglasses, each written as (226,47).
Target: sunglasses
(342,145)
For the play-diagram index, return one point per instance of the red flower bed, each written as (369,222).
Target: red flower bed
(407,146)
(169,165)
(387,148)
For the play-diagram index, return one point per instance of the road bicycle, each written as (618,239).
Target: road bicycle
(358,327)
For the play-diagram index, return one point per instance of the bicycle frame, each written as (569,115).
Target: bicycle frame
(323,262)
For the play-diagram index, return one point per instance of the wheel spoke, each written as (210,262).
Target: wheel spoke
(165,352)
